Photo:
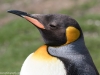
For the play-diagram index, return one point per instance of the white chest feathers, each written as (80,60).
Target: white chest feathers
(41,63)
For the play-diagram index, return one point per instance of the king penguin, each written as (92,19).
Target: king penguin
(64,51)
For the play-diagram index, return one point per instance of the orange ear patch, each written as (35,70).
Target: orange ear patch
(34,21)
(72,34)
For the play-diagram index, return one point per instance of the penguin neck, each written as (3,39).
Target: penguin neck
(78,47)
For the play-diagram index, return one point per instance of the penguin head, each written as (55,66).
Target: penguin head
(56,29)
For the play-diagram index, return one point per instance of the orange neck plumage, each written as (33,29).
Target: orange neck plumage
(42,54)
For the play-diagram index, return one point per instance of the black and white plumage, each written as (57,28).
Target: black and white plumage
(64,52)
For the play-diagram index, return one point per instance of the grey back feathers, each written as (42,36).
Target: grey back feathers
(77,55)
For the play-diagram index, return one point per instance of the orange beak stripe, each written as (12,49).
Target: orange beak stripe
(34,21)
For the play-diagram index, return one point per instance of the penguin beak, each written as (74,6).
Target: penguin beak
(32,19)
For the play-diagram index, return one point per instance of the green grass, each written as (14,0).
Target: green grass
(81,10)
(89,23)
(17,40)
(2,15)
(6,1)
(93,45)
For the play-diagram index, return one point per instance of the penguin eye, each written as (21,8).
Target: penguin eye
(53,26)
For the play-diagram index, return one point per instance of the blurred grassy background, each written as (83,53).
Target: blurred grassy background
(18,38)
